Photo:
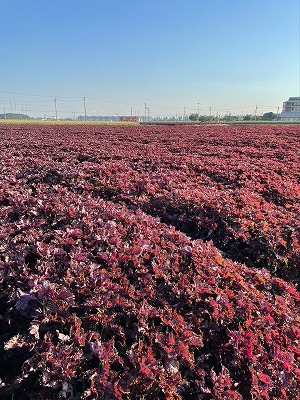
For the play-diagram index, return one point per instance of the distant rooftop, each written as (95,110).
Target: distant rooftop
(291,109)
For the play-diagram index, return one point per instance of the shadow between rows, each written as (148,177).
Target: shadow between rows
(207,223)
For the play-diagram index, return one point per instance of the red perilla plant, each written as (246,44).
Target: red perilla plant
(149,263)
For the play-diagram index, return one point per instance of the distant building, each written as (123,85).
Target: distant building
(131,118)
(291,109)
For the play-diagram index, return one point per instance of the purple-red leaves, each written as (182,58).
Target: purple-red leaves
(150,263)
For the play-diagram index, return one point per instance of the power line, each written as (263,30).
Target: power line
(38,95)
(170,108)
(63,100)
(112,102)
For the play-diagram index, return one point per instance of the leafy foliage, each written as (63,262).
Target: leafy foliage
(146,264)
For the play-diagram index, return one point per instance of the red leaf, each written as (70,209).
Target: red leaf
(264,378)
(71,212)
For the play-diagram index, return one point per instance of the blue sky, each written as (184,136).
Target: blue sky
(230,55)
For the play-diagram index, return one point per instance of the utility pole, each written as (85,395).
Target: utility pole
(4,113)
(84,107)
(55,100)
(198,109)
(145,112)
(255,112)
(131,114)
(148,114)
(209,110)
(184,113)
(277,112)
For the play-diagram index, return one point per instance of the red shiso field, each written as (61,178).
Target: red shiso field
(149,262)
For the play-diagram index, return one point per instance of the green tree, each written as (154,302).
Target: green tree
(230,117)
(194,117)
(14,116)
(269,116)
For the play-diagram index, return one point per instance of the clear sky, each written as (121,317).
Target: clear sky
(230,55)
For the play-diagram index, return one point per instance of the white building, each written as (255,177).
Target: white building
(291,109)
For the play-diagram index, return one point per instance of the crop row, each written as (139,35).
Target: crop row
(239,189)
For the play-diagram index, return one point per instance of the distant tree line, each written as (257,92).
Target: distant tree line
(269,116)
(14,116)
